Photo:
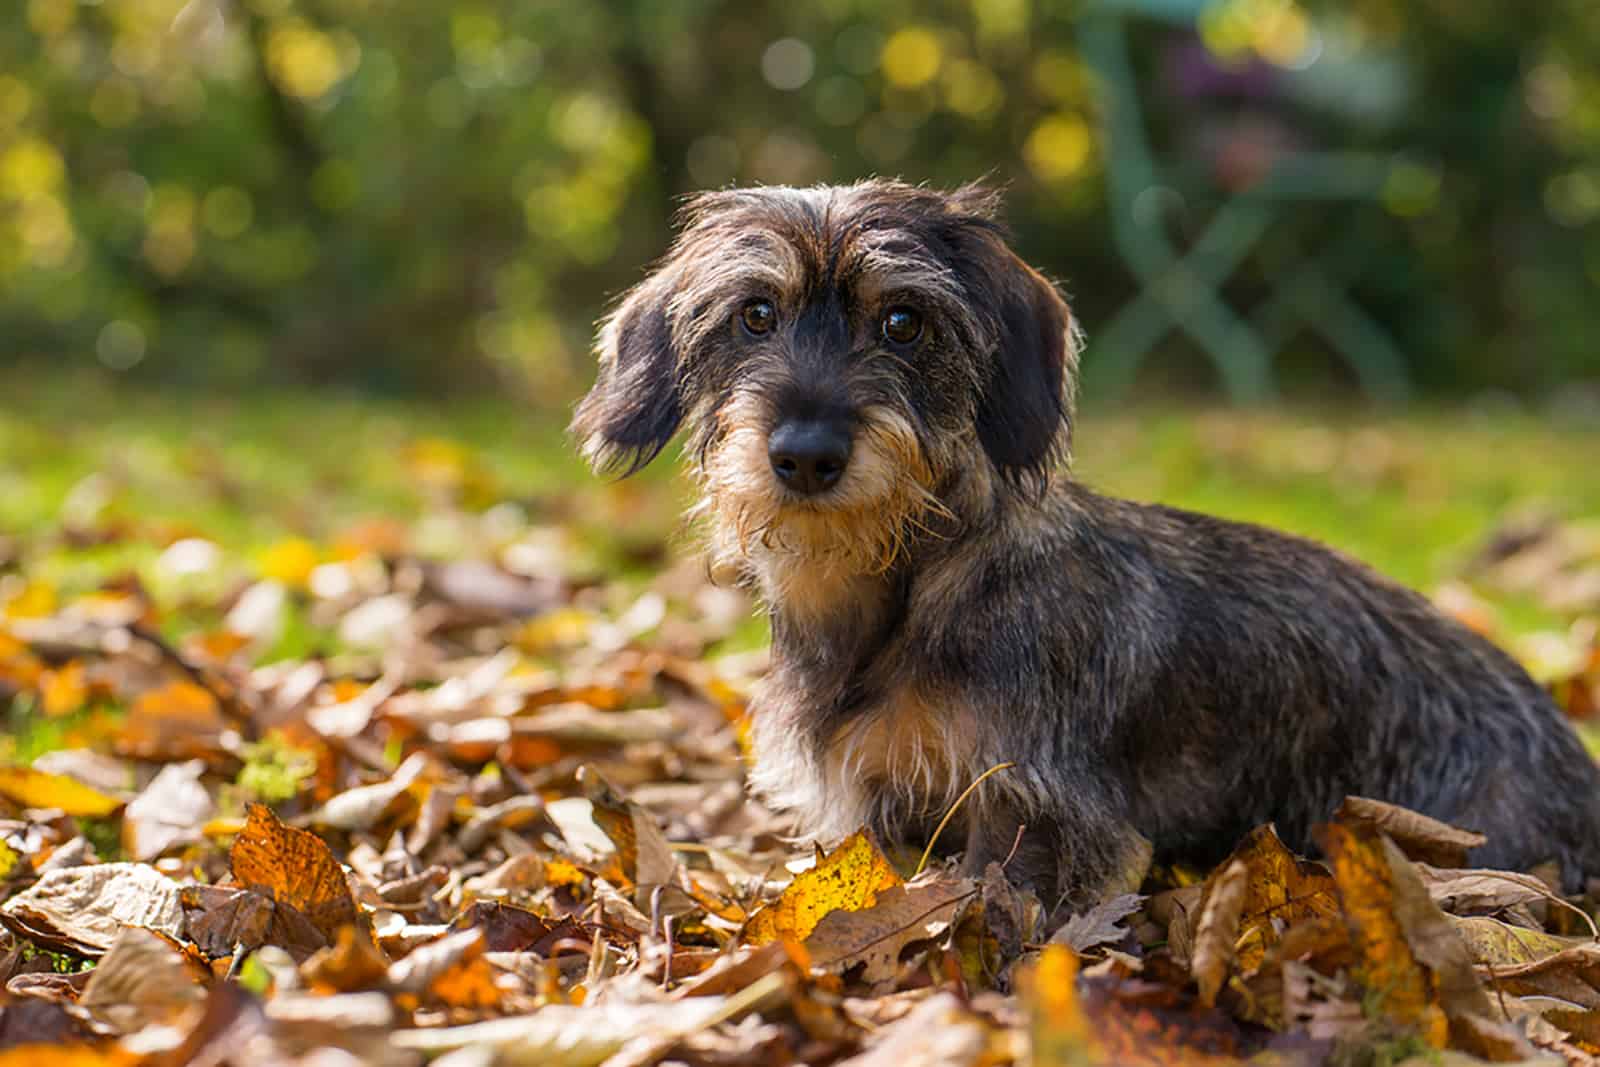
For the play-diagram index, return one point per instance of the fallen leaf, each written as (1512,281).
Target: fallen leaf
(1281,889)
(1409,956)
(362,807)
(293,867)
(1499,944)
(36,789)
(82,909)
(874,936)
(176,721)
(1100,925)
(1419,837)
(144,979)
(1061,1035)
(170,811)
(849,878)
(1217,929)
(644,858)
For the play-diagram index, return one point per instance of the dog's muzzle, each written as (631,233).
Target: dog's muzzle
(808,456)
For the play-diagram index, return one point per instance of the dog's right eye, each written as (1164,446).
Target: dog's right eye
(759,316)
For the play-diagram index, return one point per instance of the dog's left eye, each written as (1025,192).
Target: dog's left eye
(758,316)
(901,325)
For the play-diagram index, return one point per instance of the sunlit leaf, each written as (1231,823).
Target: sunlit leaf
(36,789)
(294,867)
(848,878)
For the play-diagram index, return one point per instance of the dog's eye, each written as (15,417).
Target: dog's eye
(901,325)
(758,316)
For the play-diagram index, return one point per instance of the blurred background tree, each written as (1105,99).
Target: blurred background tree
(446,194)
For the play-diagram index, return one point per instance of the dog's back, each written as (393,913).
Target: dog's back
(1282,676)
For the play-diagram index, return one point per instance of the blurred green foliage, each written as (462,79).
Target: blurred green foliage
(419,195)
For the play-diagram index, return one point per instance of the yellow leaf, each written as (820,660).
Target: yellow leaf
(33,601)
(1386,965)
(36,789)
(849,878)
(290,561)
(8,860)
(1061,1032)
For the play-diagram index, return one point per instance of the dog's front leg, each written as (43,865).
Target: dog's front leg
(1071,865)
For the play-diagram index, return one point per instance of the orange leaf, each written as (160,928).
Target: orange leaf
(293,867)
(63,691)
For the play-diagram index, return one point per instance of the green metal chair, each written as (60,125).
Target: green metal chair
(1181,288)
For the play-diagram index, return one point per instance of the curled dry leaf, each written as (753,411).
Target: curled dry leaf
(1409,955)
(82,909)
(362,807)
(1218,928)
(1419,837)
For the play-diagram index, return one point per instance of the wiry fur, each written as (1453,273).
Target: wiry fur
(954,602)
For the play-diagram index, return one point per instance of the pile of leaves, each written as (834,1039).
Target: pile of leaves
(501,820)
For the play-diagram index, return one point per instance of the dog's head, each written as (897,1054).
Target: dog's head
(850,362)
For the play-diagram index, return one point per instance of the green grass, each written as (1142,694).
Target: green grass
(1412,495)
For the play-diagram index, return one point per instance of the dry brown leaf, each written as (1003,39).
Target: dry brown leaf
(177,721)
(1481,890)
(223,919)
(1419,837)
(849,878)
(143,979)
(1571,975)
(293,867)
(873,937)
(1100,925)
(643,855)
(1217,929)
(82,909)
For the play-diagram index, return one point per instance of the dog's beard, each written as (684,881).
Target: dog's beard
(860,527)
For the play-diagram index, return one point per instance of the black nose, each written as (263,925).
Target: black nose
(808,456)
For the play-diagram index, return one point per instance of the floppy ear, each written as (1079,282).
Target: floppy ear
(635,406)
(1024,416)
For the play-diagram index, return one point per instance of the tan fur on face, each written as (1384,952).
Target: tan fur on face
(805,552)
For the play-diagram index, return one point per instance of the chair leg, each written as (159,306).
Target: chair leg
(1378,363)
(1317,297)
(1118,350)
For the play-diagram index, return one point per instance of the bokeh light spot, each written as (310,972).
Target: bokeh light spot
(911,57)
(121,345)
(788,64)
(1058,147)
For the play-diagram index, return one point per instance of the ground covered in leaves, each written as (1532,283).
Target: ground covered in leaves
(422,754)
